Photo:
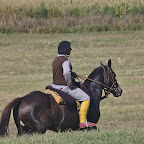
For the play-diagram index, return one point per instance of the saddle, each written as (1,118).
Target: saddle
(61,97)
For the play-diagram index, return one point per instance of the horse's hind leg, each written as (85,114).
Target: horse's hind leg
(39,127)
(35,127)
(20,128)
(33,123)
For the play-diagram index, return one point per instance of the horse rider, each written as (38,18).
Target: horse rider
(62,80)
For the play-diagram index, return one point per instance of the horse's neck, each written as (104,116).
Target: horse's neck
(95,91)
(94,88)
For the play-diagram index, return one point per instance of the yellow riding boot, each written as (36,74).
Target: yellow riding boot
(83,115)
(84,110)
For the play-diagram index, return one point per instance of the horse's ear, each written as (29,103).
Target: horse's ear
(109,63)
(101,63)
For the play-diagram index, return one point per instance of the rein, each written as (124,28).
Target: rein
(107,92)
(82,77)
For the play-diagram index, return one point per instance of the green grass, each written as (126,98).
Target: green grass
(25,65)
(86,137)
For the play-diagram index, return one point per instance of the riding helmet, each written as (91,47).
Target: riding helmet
(63,47)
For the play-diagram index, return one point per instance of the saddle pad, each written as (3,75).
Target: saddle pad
(55,95)
(58,98)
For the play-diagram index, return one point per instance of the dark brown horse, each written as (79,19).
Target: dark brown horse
(38,112)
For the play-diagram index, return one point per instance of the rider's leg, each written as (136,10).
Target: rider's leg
(84,110)
(81,96)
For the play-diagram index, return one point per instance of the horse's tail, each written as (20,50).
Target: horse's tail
(6,116)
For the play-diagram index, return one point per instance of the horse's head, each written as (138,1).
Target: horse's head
(110,80)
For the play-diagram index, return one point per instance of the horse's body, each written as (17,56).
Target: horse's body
(37,111)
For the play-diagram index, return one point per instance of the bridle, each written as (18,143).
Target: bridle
(107,76)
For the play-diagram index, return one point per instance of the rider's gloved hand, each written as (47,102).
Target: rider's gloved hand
(74,75)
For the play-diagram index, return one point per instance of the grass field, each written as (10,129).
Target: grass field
(25,65)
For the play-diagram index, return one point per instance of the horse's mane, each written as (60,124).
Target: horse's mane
(106,73)
(94,73)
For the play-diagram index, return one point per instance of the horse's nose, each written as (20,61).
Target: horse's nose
(119,91)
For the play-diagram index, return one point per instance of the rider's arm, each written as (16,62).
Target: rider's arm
(67,73)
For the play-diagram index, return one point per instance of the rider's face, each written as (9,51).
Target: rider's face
(68,51)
